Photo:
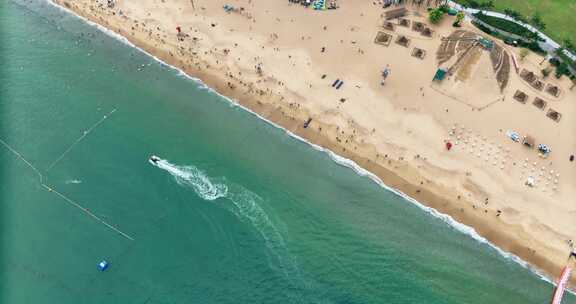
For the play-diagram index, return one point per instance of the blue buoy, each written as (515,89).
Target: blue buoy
(102,265)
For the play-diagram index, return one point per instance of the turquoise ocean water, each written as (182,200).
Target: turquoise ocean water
(237,211)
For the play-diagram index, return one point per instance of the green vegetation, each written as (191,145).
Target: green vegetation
(561,68)
(533,46)
(435,15)
(557,15)
(459,17)
(507,26)
(485,5)
(537,22)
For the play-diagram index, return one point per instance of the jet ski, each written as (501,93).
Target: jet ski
(154,159)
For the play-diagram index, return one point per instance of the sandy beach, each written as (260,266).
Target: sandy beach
(281,60)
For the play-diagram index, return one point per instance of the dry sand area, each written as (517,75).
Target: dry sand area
(281,59)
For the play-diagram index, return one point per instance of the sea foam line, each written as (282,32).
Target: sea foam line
(335,157)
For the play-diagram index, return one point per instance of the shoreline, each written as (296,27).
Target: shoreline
(432,199)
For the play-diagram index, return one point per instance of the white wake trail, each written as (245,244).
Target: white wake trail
(246,206)
(193,177)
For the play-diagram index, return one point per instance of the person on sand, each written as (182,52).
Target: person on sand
(385,74)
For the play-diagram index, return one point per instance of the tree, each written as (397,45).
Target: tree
(537,22)
(487,5)
(562,69)
(508,12)
(460,16)
(567,44)
(514,14)
(436,15)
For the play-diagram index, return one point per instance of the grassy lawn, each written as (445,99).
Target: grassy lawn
(559,15)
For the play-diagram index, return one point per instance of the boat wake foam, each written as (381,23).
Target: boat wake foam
(246,206)
(194,178)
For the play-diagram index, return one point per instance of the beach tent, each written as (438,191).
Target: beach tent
(320,5)
(528,141)
(544,149)
(513,135)
(440,73)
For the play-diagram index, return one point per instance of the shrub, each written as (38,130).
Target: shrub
(562,69)
(554,61)
(436,15)
(460,16)
(507,26)
(477,4)
(533,46)
(482,28)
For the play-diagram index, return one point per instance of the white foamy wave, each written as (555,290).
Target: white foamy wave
(194,178)
(340,160)
(73,181)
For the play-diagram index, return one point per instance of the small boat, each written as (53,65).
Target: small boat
(154,159)
(102,265)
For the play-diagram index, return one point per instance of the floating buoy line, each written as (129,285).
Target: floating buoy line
(52,189)
(84,134)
